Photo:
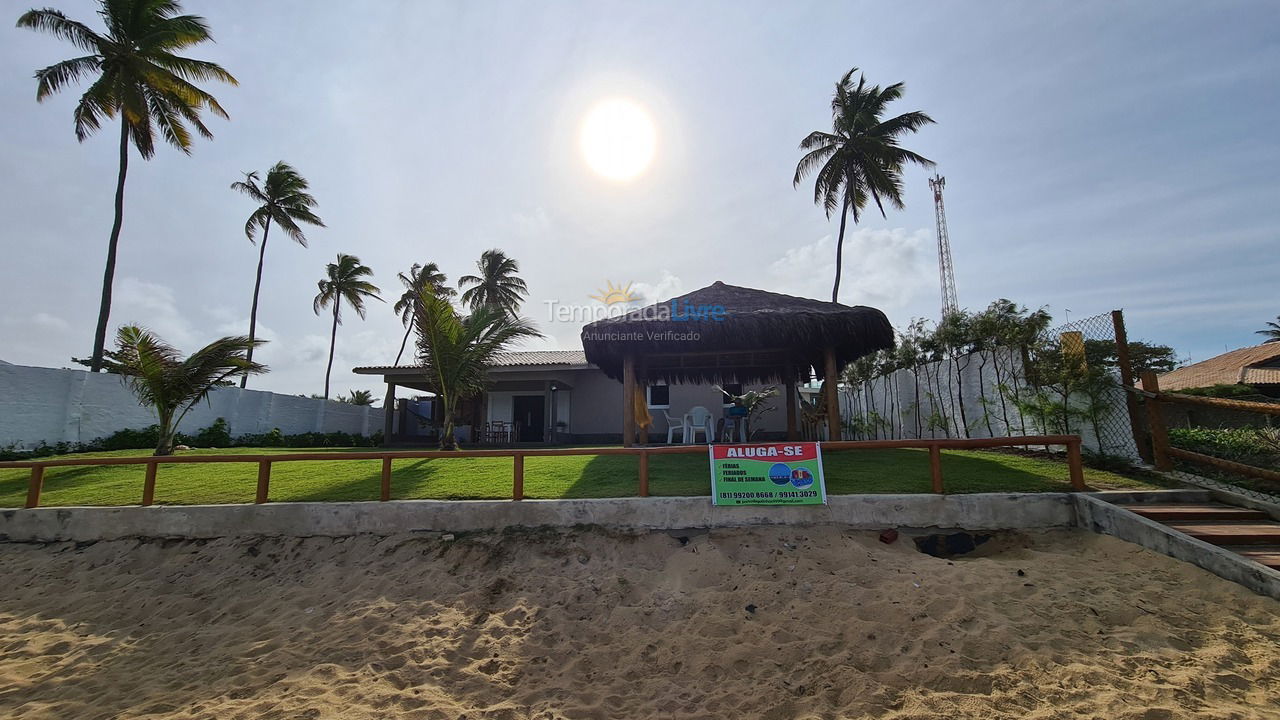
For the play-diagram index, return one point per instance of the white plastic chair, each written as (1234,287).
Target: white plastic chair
(673,424)
(698,420)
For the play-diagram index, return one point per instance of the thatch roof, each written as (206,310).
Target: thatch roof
(759,336)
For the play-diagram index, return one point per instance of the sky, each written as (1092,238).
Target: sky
(1098,155)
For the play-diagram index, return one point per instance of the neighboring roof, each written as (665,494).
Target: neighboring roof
(541,357)
(531,358)
(788,334)
(1258,365)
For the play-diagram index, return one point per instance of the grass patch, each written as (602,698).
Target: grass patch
(574,476)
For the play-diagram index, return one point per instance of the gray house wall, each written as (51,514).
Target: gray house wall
(592,407)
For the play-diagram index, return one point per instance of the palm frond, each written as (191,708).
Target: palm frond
(60,26)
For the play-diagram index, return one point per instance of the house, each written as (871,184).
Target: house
(1258,366)
(670,356)
(555,396)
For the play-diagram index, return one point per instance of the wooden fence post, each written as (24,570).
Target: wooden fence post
(517,481)
(264,481)
(34,486)
(1127,379)
(385,493)
(149,484)
(644,473)
(1155,423)
(935,467)
(1075,465)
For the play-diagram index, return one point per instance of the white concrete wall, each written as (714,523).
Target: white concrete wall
(57,405)
(906,400)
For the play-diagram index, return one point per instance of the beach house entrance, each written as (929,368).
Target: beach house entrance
(527,412)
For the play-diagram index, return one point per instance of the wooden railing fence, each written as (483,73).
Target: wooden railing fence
(265,462)
(1163,453)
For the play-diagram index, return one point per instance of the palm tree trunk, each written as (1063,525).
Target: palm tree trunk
(257,285)
(333,341)
(404,342)
(446,422)
(164,445)
(108,276)
(844,213)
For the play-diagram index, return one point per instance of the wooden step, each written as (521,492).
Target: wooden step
(1197,513)
(1231,533)
(1269,555)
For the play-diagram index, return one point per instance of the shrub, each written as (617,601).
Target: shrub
(128,439)
(1242,445)
(216,435)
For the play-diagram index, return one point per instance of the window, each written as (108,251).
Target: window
(659,395)
(731,389)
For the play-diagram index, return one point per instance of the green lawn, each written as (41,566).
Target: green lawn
(578,476)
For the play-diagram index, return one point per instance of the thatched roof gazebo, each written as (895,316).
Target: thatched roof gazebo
(725,333)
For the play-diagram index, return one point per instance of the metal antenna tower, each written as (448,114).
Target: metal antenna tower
(945,270)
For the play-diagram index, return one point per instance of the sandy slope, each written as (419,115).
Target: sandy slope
(590,625)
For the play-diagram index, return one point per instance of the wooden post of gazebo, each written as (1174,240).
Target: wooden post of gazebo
(643,429)
(790,388)
(628,400)
(832,378)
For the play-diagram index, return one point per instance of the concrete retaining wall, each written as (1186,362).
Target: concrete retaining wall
(74,406)
(872,512)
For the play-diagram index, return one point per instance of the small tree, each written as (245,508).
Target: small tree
(753,402)
(171,385)
(457,351)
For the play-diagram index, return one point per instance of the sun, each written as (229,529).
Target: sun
(618,138)
(614,294)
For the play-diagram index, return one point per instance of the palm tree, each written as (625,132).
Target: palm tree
(344,280)
(860,158)
(161,378)
(456,352)
(137,76)
(283,198)
(418,277)
(1272,332)
(357,397)
(497,285)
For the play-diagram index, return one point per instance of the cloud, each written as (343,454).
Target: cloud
(153,306)
(531,224)
(49,322)
(668,286)
(882,268)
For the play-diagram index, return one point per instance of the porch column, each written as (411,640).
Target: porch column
(388,414)
(628,400)
(833,402)
(548,414)
(792,433)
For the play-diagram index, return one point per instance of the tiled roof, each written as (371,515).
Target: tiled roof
(1237,366)
(541,358)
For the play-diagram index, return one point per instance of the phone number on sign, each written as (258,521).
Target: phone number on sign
(768,495)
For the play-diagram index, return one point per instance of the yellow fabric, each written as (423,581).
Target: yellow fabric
(643,418)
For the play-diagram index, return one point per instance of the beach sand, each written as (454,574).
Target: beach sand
(763,623)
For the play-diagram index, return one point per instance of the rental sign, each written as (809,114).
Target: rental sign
(767,474)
